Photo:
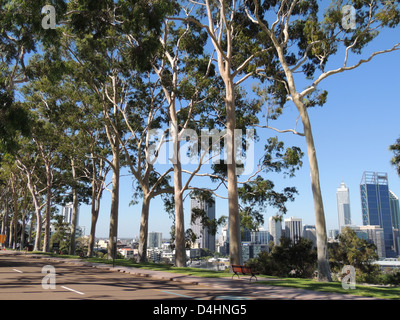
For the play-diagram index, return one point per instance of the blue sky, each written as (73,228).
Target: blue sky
(352,133)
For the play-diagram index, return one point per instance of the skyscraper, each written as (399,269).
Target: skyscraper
(395,212)
(67,213)
(375,206)
(343,206)
(154,240)
(394,209)
(204,238)
(275,229)
(293,229)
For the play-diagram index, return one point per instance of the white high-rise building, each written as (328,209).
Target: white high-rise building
(275,229)
(67,213)
(293,229)
(343,205)
(204,238)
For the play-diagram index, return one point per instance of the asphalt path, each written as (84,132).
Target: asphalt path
(24,278)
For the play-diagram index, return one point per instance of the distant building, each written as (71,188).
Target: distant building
(154,240)
(126,252)
(223,241)
(332,234)
(395,213)
(275,229)
(343,206)
(67,213)
(310,233)
(252,250)
(375,205)
(293,229)
(205,240)
(394,209)
(259,237)
(373,234)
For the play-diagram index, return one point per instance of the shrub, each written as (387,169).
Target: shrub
(287,259)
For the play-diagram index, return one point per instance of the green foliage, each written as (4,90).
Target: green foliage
(14,120)
(354,251)
(395,148)
(287,259)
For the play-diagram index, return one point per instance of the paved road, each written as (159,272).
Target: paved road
(21,279)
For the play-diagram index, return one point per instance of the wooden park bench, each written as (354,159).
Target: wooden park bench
(244,270)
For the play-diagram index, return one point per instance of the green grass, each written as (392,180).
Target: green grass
(163,267)
(308,284)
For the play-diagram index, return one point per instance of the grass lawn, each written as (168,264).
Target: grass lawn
(308,284)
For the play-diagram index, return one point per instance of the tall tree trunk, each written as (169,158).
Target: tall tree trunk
(13,225)
(180,250)
(235,245)
(38,212)
(4,226)
(74,221)
(23,228)
(92,237)
(46,240)
(5,217)
(30,229)
(324,273)
(96,196)
(24,212)
(38,236)
(144,226)
(72,247)
(114,204)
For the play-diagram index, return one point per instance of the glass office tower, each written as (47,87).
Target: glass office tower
(394,209)
(375,206)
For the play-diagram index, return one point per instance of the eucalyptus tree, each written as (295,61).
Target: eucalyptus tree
(47,141)
(111,41)
(15,199)
(98,170)
(302,38)
(15,180)
(144,116)
(187,74)
(6,199)
(236,53)
(21,32)
(28,161)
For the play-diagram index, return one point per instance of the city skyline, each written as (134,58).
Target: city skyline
(353,131)
(355,215)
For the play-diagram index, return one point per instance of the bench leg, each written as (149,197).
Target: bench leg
(235,275)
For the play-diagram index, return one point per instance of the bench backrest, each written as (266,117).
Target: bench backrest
(236,268)
(246,270)
(242,269)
